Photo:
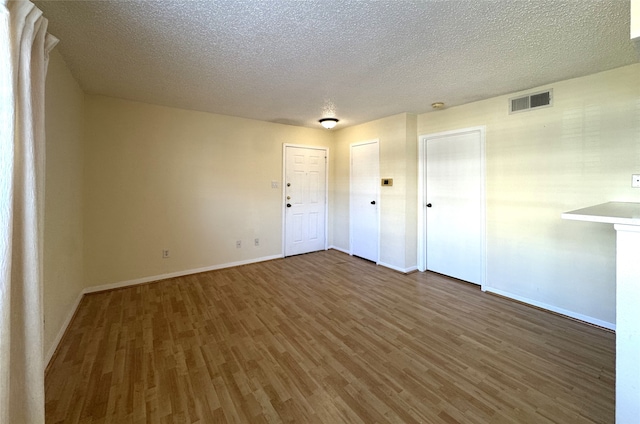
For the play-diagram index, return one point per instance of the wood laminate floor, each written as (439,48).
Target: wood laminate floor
(325,338)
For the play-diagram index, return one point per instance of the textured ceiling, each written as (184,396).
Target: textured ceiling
(294,62)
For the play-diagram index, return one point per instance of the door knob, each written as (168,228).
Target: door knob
(428,205)
(288,205)
(373,202)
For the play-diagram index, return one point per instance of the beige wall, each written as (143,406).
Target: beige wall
(540,163)
(398,208)
(635,20)
(63,234)
(162,178)
(411,201)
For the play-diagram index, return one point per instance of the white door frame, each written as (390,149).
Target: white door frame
(351,146)
(422,196)
(326,191)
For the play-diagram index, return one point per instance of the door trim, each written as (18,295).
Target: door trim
(351,146)
(422,196)
(283,194)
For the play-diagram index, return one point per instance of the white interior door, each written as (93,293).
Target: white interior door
(365,180)
(454,204)
(305,195)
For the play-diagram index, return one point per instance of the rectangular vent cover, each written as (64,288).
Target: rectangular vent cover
(530,101)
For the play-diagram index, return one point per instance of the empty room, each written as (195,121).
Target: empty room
(320,211)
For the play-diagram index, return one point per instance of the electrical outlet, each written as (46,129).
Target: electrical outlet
(238,244)
(165,253)
(635,180)
(256,242)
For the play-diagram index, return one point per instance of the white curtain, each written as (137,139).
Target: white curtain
(24,48)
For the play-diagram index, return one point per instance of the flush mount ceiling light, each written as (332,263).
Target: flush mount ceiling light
(437,105)
(328,123)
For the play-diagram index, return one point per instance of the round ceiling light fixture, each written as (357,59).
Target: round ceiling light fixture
(328,123)
(437,105)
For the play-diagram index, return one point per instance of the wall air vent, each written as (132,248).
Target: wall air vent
(530,101)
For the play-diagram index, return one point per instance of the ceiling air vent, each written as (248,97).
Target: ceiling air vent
(530,101)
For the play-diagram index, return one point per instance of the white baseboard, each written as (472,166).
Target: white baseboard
(152,278)
(339,249)
(561,311)
(63,329)
(395,268)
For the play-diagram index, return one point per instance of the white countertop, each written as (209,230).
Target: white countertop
(626,213)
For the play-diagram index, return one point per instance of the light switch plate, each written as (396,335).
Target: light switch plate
(635,180)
